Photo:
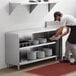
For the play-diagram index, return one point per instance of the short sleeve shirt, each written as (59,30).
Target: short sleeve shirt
(70,21)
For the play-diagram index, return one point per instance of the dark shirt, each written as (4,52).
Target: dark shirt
(72,36)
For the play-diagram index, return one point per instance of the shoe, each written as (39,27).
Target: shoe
(64,61)
(74,63)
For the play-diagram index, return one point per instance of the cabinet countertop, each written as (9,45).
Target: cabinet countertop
(33,30)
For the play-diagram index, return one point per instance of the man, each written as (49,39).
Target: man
(70,23)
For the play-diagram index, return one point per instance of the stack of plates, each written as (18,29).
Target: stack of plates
(35,42)
(48,51)
(32,0)
(31,55)
(40,54)
(42,40)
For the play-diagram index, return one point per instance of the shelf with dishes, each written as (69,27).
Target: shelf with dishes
(31,5)
(40,45)
(35,40)
(23,62)
(35,43)
(30,55)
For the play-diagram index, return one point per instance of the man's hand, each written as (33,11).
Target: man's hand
(52,38)
(58,37)
(55,38)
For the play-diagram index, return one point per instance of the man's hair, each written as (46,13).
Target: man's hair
(57,14)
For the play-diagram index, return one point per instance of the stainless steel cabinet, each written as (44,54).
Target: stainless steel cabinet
(19,43)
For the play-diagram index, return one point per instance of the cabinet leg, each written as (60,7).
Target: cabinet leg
(18,67)
(62,58)
(56,58)
(8,65)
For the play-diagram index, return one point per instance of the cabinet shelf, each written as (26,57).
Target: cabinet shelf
(31,5)
(32,61)
(33,46)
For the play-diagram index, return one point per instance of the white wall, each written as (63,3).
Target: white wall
(20,19)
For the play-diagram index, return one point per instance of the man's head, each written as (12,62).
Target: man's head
(57,16)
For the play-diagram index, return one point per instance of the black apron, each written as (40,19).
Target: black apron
(72,36)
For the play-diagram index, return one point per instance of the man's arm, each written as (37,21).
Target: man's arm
(59,32)
(66,32)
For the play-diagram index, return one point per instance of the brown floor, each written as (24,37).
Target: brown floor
(14,72)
